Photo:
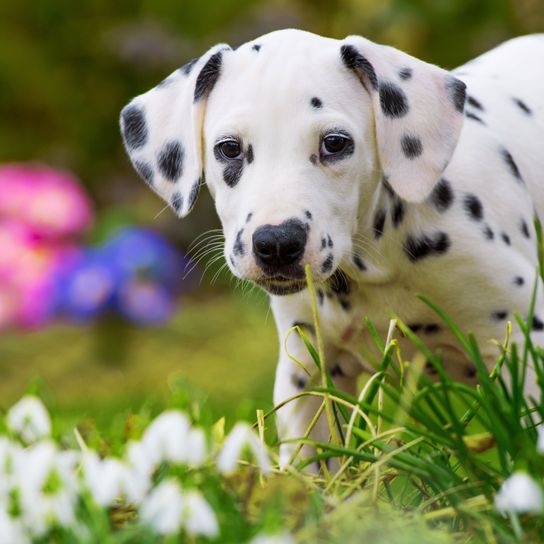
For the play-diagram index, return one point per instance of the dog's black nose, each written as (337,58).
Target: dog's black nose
(281,245)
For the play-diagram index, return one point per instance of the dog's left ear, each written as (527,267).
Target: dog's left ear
(162,130)
(418,111)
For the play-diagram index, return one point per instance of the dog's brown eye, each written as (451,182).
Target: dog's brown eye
(334,144)
(229,149)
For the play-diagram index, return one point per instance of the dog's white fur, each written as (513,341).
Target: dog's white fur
(467,242)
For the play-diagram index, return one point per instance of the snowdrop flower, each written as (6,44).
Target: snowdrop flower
(29,419)
(11,530)
(166,438)
(519,493)
(278,538)
(138,458)
(240,438)
(197,447)
(163,508)
(198,516)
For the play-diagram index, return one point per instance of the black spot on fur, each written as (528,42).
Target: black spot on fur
(170,161)
(488,233)
(442,195)
(323,243)
(308,214)
(432,328)
(336,372)
(470,371)
(316,103)
(537,324)
(457,90)
(411,146)
(524,228)
(177,202)
(471,101)
(249,216)
(329,240)
(256,47)
(526,109)
(187,68)
(505,238)
(415,327)
(134,127)
(379,223)
(405,73)
(346,304)
(327,264)
(474,117)
(320,296)
(430,369)
(499,315)
(506,155)
(239,248)
(208,76)
(398,213)
(298,381)
(313,158)
(145,171)
(417,248)
(519,281)
(393,100)
(233,172)
(355,61)
(249,154)
(387,186)
(194,193)
(473,206)
(339,283)
(359,263)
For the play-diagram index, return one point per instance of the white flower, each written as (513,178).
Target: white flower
(278,538)
(11,530)
(240,438)
(540,439)
(29,419)
(166,438)
(198,516)
(163,508)
(197,447)
(519,493)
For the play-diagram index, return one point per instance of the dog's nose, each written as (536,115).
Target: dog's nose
(280,245)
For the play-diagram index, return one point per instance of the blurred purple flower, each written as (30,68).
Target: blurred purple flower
(145,302)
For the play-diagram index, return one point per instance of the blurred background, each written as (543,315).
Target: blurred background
(88,315)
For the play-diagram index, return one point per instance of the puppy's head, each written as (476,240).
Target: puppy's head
(292,133)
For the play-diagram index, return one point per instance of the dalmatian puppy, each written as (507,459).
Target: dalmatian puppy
(386,175)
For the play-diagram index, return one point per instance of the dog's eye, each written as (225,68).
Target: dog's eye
(229,149)
(332,144)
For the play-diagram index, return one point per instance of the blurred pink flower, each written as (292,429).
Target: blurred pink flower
(49,202)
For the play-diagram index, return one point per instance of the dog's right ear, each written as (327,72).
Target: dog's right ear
(162,130)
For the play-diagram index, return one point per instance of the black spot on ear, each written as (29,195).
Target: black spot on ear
(387,186)
(499,315)
(524,228)
(474,117)
(537,324)
(339,283)
(379,223)
(505,238)
(442,195)
(405,73)
(471,101)
(316,103)
(511,163)
(488,233)
(170,161)
(411,146)
(327,264)
(145,171)
(239,248)
(457,90)
(308,214)
(256,47)
(187,68)
(313,158)
(473,207)
(133,127)
(359,263)
(519,281)
(355,61)
(177,202)
(193,195)
(520,104)
(417,248)
(398,213)
(208,76)
(233,172)
(393,101)
(249,154)
(249,216)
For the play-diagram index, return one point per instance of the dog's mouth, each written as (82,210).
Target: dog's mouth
(281,285)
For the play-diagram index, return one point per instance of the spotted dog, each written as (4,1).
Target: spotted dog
(386,175)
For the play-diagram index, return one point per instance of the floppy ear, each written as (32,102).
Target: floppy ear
(162,130)
(418,111)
